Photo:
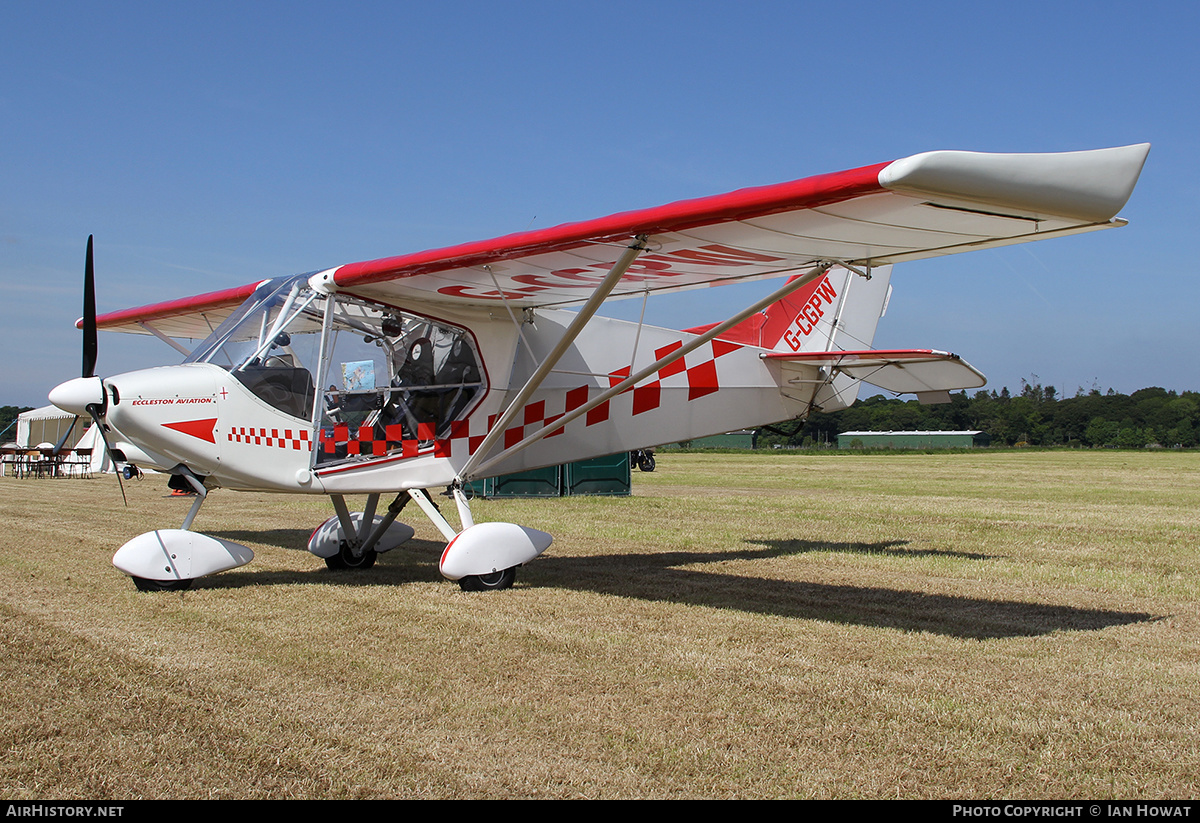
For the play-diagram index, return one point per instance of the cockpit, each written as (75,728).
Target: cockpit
(387,377)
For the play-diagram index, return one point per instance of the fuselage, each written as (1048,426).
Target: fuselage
(409,396)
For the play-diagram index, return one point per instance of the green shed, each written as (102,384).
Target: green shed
(742,439)
(914,440)
(599,476)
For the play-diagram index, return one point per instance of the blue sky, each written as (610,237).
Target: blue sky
(211,145)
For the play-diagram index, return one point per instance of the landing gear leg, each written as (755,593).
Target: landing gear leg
(482,556)
(353,541)
(495,581)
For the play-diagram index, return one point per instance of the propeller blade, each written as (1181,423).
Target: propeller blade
(89,314)
(66,437)
(94,411)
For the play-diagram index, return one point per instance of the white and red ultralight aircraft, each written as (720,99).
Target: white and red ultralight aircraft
(429,370)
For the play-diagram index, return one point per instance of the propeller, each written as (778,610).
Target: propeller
(75,393)
(96,411)
(90,346)
(63,441)
(89,314)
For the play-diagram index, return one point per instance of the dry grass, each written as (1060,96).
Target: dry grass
(979,625)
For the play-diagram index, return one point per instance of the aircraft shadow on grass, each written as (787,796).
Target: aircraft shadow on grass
(662,577)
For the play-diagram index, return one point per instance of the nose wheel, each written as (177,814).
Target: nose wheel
(146,585)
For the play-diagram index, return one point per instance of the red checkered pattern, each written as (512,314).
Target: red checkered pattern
(701,376)
(362,440)
(278,438)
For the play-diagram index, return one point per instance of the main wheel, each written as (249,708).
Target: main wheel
(146,585)
(489,582)
(346,559)
(647,463)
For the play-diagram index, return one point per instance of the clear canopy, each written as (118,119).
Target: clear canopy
(391,379)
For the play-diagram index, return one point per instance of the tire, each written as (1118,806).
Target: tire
(495,581)
(146,585)
(345,559)
(647,464)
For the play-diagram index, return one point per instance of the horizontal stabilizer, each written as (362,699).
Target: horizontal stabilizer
(927,373)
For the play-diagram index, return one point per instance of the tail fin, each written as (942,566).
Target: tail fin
(836,312)
(828,327)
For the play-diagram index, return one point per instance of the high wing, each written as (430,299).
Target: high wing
(189,317)
(927,205)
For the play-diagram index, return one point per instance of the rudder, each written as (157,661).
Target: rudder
(837,311)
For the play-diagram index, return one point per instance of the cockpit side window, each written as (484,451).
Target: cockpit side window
(402,386)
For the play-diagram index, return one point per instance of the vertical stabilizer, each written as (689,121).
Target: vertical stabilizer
(837,312)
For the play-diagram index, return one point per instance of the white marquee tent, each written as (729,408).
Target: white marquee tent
(48,425)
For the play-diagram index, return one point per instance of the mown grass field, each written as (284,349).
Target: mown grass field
(982,625)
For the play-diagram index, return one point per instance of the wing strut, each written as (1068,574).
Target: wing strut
(819,270)
(168,340)
(582,318)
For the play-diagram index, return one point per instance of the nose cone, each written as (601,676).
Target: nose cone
(76,395)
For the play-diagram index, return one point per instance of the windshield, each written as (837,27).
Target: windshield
(271,344)
(246,323)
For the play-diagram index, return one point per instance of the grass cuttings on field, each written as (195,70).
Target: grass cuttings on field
(969,625)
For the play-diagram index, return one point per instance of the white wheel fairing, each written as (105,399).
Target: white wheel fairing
(326,540)
(486,548)
(176,554)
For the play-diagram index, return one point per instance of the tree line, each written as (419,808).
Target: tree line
(1036,416)
(8,419)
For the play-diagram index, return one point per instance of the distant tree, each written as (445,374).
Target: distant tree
(1101,432)
(1133,438)
(1182,435)
(8,417)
